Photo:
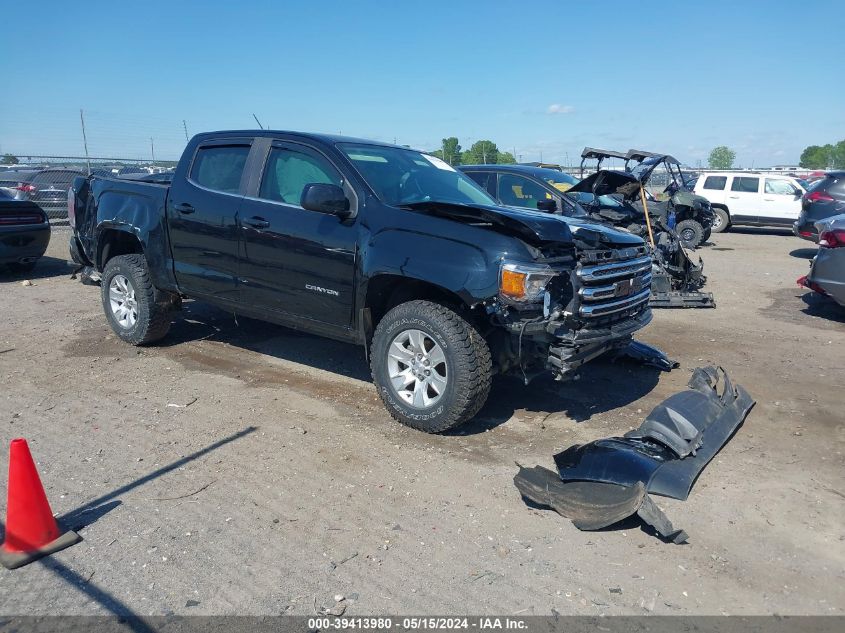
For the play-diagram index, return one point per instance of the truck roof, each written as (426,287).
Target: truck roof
(326,138)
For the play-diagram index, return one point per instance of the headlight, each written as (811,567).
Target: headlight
(524,283)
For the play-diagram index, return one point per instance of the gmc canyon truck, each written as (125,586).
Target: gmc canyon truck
(368,243)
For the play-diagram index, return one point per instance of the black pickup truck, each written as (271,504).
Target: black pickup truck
(369,243)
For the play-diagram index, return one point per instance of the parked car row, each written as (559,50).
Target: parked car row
(47,188)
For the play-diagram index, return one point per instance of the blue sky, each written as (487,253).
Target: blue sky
(537,77)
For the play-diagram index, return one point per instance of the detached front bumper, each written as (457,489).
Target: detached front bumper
(674,443)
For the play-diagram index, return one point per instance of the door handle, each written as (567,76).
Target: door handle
(258,223)
(769,199)
(734,197)
(184,208)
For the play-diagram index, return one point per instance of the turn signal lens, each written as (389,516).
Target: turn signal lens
(513,284)
(524,283)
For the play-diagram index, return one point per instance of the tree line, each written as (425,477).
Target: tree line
(480,153)
(830,156)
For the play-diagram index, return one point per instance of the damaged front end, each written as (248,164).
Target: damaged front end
(593,298)
(677,276)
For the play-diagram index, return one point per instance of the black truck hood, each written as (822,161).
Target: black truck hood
(534,227)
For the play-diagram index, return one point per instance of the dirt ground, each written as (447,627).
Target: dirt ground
(247,469)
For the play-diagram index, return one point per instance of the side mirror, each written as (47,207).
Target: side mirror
(547,205)
(324,198)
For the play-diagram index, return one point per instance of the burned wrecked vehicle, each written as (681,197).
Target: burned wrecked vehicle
(678,273)
(369,243)
(677,209)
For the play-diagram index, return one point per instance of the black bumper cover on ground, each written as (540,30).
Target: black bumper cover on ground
(640,457)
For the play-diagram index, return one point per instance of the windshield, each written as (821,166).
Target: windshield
(404,176)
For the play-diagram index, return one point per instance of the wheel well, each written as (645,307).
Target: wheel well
(722,207)
(113,243)
(388,291)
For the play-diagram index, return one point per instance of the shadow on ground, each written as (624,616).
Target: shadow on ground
(804,253)
(603,386)
(45,267)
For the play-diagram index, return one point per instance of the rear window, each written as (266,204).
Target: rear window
(829,183)
(715,182)
(220,167)
(745,184)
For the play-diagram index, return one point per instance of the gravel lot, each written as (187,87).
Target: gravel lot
(247,469)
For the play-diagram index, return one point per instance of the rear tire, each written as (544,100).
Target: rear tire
(138,312)
(690,232)
(421,336)
(722,221)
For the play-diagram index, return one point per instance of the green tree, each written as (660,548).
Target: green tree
(481,153)
(721,157)
(451,150)
(838,155)
(506,158)
(816,157)
(9,159)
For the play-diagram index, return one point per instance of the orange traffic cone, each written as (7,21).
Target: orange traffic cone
(31,530)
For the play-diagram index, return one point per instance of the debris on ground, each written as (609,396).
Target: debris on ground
(647,355)
(605,481)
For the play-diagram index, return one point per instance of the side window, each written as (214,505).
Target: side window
(745,184)
(518,191)
(715,182)
(780,187)
(481,178)
(220,167)
(289,170)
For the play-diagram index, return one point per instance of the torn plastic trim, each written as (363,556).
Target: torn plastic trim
(628,460)
(648,355)
(591,505)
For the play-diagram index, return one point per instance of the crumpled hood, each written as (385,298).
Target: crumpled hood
(534,227)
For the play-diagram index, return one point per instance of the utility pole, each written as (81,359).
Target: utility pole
(185,127)
(153,150)
(85,141)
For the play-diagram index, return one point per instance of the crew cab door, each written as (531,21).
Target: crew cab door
(202,210)
(743,198)
(296,262)
(781,201)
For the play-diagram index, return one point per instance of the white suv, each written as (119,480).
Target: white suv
(750,198)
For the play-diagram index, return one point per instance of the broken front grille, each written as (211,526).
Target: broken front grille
(618,286)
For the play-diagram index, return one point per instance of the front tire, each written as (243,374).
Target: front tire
(136,310)
(722,221)
(431,367)
(690,232)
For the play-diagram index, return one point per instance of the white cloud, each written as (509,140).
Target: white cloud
(557,108)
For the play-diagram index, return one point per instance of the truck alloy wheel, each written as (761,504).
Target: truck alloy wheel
(431,367)
(136,310)
(417,368)
(124,306)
